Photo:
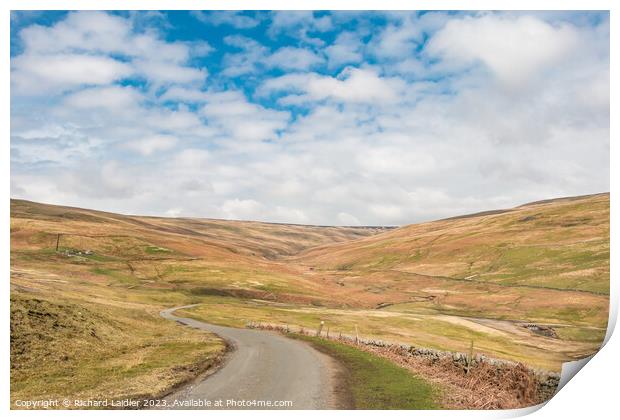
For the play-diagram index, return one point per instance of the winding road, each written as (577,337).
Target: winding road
(261,366)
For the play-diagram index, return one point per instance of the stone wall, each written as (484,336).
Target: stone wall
(511,384)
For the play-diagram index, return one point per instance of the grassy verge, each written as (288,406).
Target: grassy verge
(376,383)
(93,352)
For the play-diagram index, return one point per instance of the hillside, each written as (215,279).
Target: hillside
(87,287)
(529,284)
(269,240)
(557,244)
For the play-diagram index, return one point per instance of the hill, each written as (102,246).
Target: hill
(529,284)
(558,245)
(87,287)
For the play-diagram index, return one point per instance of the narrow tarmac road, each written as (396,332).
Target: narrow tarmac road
(263,367)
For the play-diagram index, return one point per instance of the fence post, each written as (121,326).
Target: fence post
(318,332)
(356,335)
(57,241)
(470,356)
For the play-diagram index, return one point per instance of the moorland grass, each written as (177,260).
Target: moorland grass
(543,264)
(375,383)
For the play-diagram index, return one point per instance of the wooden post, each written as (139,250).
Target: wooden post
(318,333)
(356,335)
(470,356)
(328,331)
(57,241)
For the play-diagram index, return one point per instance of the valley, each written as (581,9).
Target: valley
(528,284)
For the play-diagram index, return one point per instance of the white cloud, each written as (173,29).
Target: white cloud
(404,34)
(291,215)
(192,159)
(347,219)
(346,49)
(387,211)
(76,51)
(299,23)
(162,72)
(415,136)
(357,85)
(113,98)
(176,121)
(183,94)
(199,48)
(398,160)
(397,40)
(351,85)
(254,57)
(241,120)
(290,58)
(226,17)
(240,209)
(514,49)
(174,212)
(44,74)
(80,32)
(149,145)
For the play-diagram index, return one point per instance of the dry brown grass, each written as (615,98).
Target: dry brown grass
(545,263)
(481,385)
(61,349)
(484,387)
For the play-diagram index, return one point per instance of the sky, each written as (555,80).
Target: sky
(332,118)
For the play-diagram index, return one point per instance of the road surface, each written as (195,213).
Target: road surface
(262,366)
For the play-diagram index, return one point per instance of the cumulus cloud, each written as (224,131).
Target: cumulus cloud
(95,48)
(44,74)
(299,24)
(250,58)
(397,118)
(80,32)
(240,209)
(236,19)
(241,120)
(108,97)
(149,145)
(183,94)
(514,50)
(346,49)
(351,85)
(290,58)
(255,57)
(163,72)
(397,40)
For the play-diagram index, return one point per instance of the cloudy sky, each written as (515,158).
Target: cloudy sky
(324,118)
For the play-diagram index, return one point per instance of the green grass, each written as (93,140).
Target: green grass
(75,350)
(402,323)
(376,383)
(135,270)
(151,249)
(581,334)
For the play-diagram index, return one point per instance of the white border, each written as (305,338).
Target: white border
(592,394)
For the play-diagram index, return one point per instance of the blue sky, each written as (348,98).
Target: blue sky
(308,117)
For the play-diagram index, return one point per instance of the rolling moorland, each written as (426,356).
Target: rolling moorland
(528,284)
